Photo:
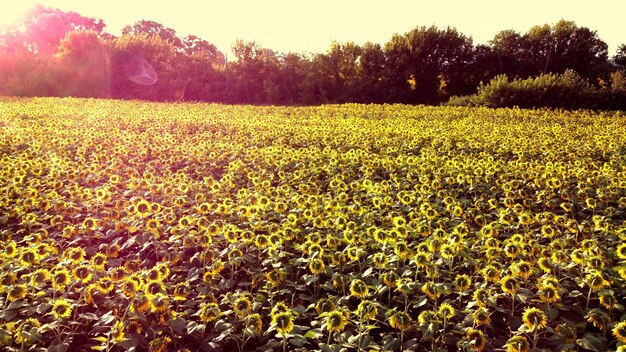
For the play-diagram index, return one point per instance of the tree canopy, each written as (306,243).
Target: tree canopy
(61,53)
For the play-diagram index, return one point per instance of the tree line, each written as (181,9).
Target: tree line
(57,53)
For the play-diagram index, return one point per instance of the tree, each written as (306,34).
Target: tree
(142,67)
(620,57)
(83,60)
(151,28)
(566,46)
(45,27)
(422,63)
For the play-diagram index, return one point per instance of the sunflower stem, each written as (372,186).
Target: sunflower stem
(588,298)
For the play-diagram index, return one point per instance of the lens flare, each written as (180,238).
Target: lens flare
(141,72)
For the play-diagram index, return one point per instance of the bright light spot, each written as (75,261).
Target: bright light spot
(14,12)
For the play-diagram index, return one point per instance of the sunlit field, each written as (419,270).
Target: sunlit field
(196,227)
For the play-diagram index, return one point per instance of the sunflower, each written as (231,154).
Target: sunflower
(596,281)
(60,279)
(154,287)
(462,282)
(159,303)
(316,265)
(130,287)
(522,269)
(427,316)
(117,332)
(446,311)
(112,250)
(61,308)
(336,320)
(358,288)
(367,310)
(476,338)
(607,299)
(430,290)
(98,261)
(10,250)
(283,322)
(279,307)
(27,331)
(619,331)
(390,278)
(380,260)
(481,296)
(242,306)
(16,292)
(549,294)
(490,273)
(546,265)
(517,343)
(534,318)
(509,285)
(160,344)
(254,324)
(400,321)
(82,273)
(90,224)
(119,274)
(105,285)
(209,312)
(29,257)
(39,276)
(598,318)
(620,251)
(481,317)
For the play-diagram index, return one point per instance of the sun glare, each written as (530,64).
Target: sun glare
(11,14)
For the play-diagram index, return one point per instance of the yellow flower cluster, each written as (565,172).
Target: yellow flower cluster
(143,224)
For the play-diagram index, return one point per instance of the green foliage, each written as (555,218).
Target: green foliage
(567,91)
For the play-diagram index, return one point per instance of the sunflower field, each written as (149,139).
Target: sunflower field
(195,227)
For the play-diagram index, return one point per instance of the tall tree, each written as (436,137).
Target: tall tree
(620,57)
(84,63)
(566,46)
(44,28)
(152,28)
(423,62)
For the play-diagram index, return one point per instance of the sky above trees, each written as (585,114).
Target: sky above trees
(286,25)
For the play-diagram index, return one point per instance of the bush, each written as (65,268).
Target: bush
(567,91)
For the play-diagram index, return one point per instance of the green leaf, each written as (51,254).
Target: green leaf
(179,325)
(314,334)
(298,341)
(593,342)
(309,279)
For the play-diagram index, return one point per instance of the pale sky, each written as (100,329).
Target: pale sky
(310,26)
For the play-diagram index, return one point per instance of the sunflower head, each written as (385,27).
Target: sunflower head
(209,312)
(16,293)
(367,310)
(619,331)
(400,320)
(61,308)
(446,311)
(462,282)
(283,322)
(358,288)
(242,306)
(534,319)
(517,343)
(254,324)
(509,285)
(336,320)
(476,340)
(481,317)
(324,305)
(317,266)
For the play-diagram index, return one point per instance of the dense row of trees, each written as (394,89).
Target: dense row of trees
(57,53)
